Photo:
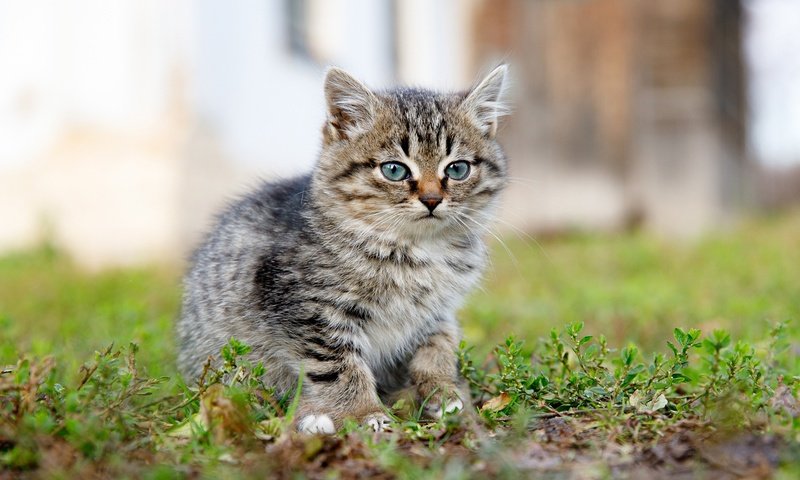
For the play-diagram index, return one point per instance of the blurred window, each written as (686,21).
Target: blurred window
(314,29)
(297,28)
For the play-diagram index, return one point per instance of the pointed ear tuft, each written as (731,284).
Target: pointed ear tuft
(484,102)
(351,105)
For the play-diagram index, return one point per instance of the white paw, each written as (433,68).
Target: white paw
(311,424)
(378,422)
(451,406)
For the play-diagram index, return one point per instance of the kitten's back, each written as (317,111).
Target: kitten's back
(221,286)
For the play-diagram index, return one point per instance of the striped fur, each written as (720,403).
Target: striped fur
(345,275)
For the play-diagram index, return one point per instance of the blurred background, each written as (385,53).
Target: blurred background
(124,125)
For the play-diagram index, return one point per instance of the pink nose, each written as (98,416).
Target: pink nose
(431,200)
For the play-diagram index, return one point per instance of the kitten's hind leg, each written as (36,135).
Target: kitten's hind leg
(311,424)
(378,422)
(336,389)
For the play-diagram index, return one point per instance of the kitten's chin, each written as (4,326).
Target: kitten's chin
(427,227)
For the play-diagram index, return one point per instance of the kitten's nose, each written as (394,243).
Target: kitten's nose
(431,200)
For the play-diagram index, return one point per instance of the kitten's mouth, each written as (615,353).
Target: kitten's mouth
(429,216)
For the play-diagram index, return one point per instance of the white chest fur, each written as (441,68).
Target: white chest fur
(413,300)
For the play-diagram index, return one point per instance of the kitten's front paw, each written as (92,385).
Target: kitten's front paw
(378,422)
(452,405)
(312,424)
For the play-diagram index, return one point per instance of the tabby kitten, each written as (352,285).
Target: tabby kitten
(353,273)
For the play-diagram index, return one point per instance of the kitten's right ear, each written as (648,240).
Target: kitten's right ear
(351,105)
(484,102)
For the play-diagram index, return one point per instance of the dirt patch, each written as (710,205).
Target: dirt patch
(570,448)
(561,447)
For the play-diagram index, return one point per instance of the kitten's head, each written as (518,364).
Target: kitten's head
(410,163)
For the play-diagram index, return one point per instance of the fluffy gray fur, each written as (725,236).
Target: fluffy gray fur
(346,275)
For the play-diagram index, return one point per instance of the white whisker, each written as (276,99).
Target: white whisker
(497,237)
(521,234)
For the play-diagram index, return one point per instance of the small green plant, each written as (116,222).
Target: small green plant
(114,407)
(571,373)
(108,407)
(231,402)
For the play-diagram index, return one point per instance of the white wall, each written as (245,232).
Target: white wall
(124,124)
(88,126)
(435,43)
(86,62)
(771,46)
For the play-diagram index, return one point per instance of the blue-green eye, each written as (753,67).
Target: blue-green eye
(395,171)
(457,170)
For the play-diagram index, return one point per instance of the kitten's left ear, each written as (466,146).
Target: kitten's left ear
(484,102)
(351,105)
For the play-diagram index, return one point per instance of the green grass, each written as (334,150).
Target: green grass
(636,288)
(103,418)
(48,306)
